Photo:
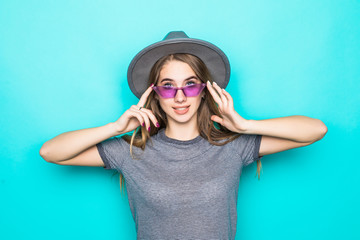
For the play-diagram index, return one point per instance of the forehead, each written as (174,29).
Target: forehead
(176,70)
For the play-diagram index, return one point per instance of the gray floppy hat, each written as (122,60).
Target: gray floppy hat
(177,42)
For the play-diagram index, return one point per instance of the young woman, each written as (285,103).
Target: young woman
(183,162)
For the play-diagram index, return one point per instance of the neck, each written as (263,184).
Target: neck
(182,131)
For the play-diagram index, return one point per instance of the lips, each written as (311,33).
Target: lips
(181,110)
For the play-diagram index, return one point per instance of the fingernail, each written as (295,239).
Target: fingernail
(215,83)
(143,124)
(149,129)
(151,85)
(157,124)
(208,82)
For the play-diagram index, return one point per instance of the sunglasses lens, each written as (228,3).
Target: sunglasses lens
(165,92)
(193,90)
(170,92)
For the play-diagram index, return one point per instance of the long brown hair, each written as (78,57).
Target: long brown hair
(211,131)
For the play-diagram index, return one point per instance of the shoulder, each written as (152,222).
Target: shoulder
(246,145)
(112,144)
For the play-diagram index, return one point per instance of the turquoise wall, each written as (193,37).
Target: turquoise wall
(63,67)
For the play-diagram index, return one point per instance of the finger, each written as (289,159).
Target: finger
(221,94)
(213,93)
(229,98)
(151,115)
(145,117)
(217,119)
(144,97)
(147,114)
(135,107)
(138,116)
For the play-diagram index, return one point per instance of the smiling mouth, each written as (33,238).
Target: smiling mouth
(181,110)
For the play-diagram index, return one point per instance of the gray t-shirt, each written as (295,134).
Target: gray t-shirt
(182,189)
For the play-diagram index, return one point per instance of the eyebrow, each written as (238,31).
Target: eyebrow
(169,79)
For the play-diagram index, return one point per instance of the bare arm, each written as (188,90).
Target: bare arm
(78,147)
(69,144)
(296,128)
(278,134)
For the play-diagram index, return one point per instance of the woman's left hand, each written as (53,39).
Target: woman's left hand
(230,118)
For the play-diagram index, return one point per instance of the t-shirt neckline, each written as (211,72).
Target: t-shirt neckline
(162,136)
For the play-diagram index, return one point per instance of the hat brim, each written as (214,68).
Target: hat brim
(140,67)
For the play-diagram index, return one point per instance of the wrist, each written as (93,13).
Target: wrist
(113,129)
(248,127)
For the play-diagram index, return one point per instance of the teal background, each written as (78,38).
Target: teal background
(63,67)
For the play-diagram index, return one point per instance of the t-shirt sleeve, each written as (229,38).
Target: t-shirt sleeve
(248,146)
(113,152)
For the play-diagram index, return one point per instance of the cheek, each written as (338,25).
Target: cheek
(163,104)
(197,103)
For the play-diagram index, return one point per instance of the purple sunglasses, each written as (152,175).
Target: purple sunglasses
(170,92)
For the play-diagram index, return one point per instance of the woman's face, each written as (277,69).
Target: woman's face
(180,109)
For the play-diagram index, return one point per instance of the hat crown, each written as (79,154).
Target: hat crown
(177,42)
(175,34)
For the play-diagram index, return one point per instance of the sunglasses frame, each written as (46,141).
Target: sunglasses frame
(157,89)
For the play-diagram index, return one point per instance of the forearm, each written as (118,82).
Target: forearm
(296,128)
(69,144)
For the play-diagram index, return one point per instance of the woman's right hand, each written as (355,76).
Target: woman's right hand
(136,115)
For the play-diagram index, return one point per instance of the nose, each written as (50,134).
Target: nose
(180,96)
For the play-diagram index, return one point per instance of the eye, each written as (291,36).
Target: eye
(190,83)
(168,85)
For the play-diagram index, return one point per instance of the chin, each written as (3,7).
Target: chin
(182,118)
